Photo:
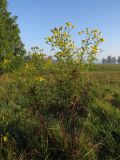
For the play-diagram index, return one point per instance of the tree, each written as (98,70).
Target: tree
(114,60)
(109,59)
(10,41)
(118,60)
(104,61)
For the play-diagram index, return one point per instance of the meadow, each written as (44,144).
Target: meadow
(54,111)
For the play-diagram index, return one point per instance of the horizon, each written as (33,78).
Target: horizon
(35,21)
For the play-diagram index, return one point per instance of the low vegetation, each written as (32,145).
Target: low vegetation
(54,111)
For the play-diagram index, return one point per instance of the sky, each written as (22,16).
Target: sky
(37,17)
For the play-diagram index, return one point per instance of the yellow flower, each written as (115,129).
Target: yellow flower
(68,24)
(80,33)
(72,46)
(5,138)
(56,32)
(6,61)
(94,49)
(39,78)
(77,61)
(62,44)
(65,34)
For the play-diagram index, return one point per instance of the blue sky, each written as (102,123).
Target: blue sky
(37,17)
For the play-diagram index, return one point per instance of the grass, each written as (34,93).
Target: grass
(106,67)
(55,113)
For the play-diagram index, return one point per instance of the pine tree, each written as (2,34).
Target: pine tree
(10,41)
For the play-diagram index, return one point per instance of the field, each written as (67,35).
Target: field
(107,73)
(51,112)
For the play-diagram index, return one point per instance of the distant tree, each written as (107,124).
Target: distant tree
(104,61)
(118,59)
(114,60)
(10,41)
(109,59)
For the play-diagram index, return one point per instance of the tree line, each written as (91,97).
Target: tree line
(111,60)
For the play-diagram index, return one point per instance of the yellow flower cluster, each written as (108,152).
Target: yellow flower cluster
(94,49)
(56,32)
(61,44)
(29,66)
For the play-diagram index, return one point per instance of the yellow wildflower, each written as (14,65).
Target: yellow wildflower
(94,49)
(6,61)
(77,61)
(39,78)
(68,24)
(5,138)
(72,46)
(80,33)
(62,44)
(65,34)
(58,32)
